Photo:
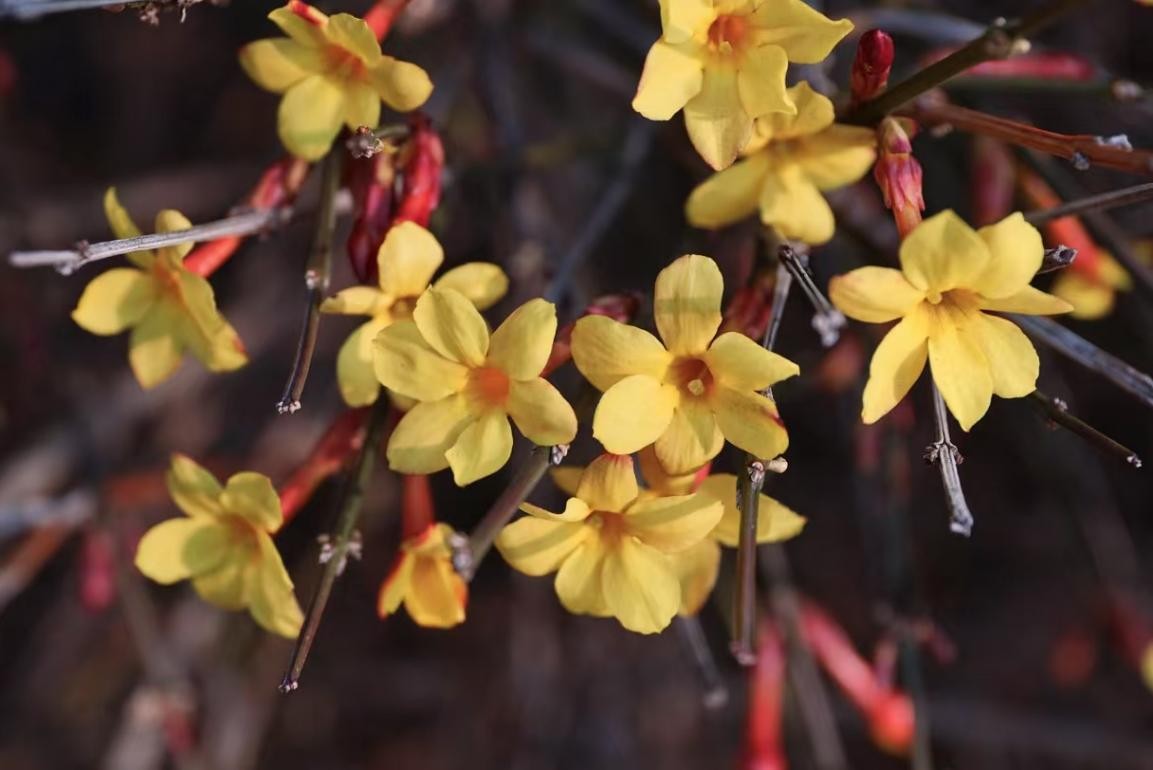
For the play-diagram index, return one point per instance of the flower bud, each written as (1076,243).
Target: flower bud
(872,65)
(420,173)
(370,180)
(898,174)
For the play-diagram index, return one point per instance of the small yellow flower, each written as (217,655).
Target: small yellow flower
(223,545)
(407,259)
(723,62)
(693,395)
(610,547)
(468,384)
(791,160)
(423,579)
(949,275)
(1092,293)
(331,72)
(168,308)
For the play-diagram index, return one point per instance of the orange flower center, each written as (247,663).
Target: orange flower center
(343,64)
(487,387)
(610,526)
(242,536)
(962,299)
(402,308)
(691,376)
(729,33)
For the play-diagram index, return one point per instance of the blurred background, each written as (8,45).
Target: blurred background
(1034,627)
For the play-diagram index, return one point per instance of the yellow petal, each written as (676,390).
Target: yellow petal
(606,351)
(521,345)
(687,303)
(404,362)
(1029,301)
(357,300)
(874,294)
(718,125)
(672,524)
(640,588)
(403,86)
(123,227)
(575,510)
(728,196)
(682,19)
(578,581)
(633,413)
(1013,361)
(750,422)
(354,370)
(452,326)
(271,601)
(426,432)
(408,258)
(310,116)
(361,106)
(300,29)
(276,64)
(541,412)
(660,480)
(959,366)
(738,362)
(837,156)
(671,77)
(194,490)
(814,112)
(696,569)
(483,283)
(203,329)
(172,221)
(1090,300)
(155,350)
(114,300)
(437,595)
(794,206)
(482,448)
(353,35)
(775,522)
(943,253)
(807,36)
(609,483)
(1016,252)
(691,439)
(252,497)
(396,585)
(761,82)
(230,585)
(177,549)
(896,365)
(537,547)
(567,478)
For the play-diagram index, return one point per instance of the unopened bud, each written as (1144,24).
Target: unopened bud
(898,174)
(871,68)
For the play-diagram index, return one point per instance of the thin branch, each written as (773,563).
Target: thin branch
(25,10)
(341,544)
(469,552)
(1058,411)
(716,694)
(1126,196)
(1001,40)
(827,320)
(67,261)
(945,454)
(316,279)
(1079,349)
(1057,258)
(749,486)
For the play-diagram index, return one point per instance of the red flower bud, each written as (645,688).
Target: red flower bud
(871,67)
(306,12)
(342,439)
(899,174)
(370,180)
(750,310)
(420,173)
(97,570)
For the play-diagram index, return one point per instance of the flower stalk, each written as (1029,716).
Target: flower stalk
(344,437)
(716,694)
(827,320)
(1058,412)
(945,454)
(1126,196)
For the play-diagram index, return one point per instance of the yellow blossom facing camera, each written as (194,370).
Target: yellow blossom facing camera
(408,258)
(723,62)
(168,308)
(468,384)
(423,579)
(791,160)
(224,546)
(611,546)
(331,72)
(950,274)
(689,393)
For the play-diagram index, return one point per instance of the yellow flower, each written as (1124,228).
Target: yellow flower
(423,578)
(724,62)
(950,274)
(790,161)
(407,259)
(331,71)
(468,384)
(168,308)
(610,547)
(697,567)
(1092,293)
(693,395)
(223,545)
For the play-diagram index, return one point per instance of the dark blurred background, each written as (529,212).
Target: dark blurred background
(544,156)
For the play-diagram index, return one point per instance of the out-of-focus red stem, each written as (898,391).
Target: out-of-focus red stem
(420,173)
(381,16)
(341,441)
(994,173)
(1066,231)
(763,748)
(97,570)
(1042,66)
(619,307)
(417,510)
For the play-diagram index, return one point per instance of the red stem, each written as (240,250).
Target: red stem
(341,441)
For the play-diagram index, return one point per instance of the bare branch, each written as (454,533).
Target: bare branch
(945,454)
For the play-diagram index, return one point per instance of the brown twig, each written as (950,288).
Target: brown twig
(945,454)
(716,694)
(25,10)
(1126,196)
(827,320)
(1058,411)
